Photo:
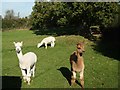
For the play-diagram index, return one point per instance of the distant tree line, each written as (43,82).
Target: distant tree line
(10,21)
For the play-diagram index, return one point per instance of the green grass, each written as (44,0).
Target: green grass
(100,71)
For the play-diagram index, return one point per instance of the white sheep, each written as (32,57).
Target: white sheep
(26,62)
(47,40)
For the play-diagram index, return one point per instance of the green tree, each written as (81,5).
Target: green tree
(77,14)
(47,14)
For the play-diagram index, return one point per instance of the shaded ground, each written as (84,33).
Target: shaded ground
(11,82)
(109,45)
(58,31)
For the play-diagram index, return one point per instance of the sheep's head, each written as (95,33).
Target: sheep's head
(80,47)
(39,45)
(18,46)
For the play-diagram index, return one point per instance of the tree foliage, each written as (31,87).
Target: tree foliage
(85,14)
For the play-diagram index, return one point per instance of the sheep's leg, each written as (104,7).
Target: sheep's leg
(82,78)
(33,71)
(28,76)
(45,45)
(23,74)
(52,44)
(73,77)
(28,80)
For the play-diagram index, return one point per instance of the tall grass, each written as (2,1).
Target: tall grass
(100,71)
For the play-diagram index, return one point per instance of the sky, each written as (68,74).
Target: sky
(24,7)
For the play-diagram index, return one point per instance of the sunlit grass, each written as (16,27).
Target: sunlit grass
(100,71)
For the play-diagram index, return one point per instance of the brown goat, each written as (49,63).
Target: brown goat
(77,64)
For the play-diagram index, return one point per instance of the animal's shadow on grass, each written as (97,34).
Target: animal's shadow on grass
(67,74)
(11,82)
(48,45)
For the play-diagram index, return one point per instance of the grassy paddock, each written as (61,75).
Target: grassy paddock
(53,63)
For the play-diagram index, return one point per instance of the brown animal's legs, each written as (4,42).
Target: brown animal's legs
(73,77)
(82,78)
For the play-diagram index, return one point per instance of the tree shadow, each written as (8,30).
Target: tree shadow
(11,82)
(59,31)
(56,31)
(109,45)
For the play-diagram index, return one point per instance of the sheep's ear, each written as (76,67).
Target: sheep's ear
(21,43)
(14,43)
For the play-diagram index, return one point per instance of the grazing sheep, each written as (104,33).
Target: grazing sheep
(47,40)
(26,62)
(77,64)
